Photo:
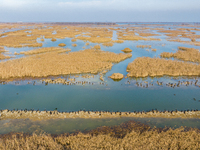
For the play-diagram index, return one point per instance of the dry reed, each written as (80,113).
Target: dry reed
(62,44)
(87,44)
(97,47)
(127,50)
(143,46)
(73,40)
(44,50)
(52,63)
(118,41)
(136,136)
(154,49)
(184,53)
(117,76)
(53,40)
(145,66)
(74,45)
(2,56)
(110,44)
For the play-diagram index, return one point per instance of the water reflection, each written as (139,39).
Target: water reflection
(59,126)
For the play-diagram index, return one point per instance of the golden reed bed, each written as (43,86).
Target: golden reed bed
(131,135)
(146,66)
(184,53)
(2,56)
(54,63)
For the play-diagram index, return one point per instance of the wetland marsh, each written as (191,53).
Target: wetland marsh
(98,75)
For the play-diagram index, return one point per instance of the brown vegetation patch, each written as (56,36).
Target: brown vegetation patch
(196,43)
(147,34)
(118,41)
(62,44)
(73,40)
(74,45)
(145,66)
(127,50)
(184,53)
(52,63)
(143,46)
(44,50)
(2,56)
(136,38)
(19,39)
(154,49)
(110,44)
(53,40)
(129,135)
(173,33)
(61,32)
(97,47)
(95,39)
(117,76)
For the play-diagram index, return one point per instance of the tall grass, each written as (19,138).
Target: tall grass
(135,137)
(145,66)
(184,53)
(53,63)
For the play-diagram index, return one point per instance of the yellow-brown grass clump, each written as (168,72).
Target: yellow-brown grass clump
(110,44)
(2,56)
(19,39)
(53,40)
(118,41)
(87,44)
(74,45)
(2,49)
(97,47)
(95,39)
(143,46)
(117,76)
(131,36)
(62,44)
(127,50)
(73,40)
(154,49)
(184,53)
(52,63)
(145,66)
(44,50)
(147,34)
